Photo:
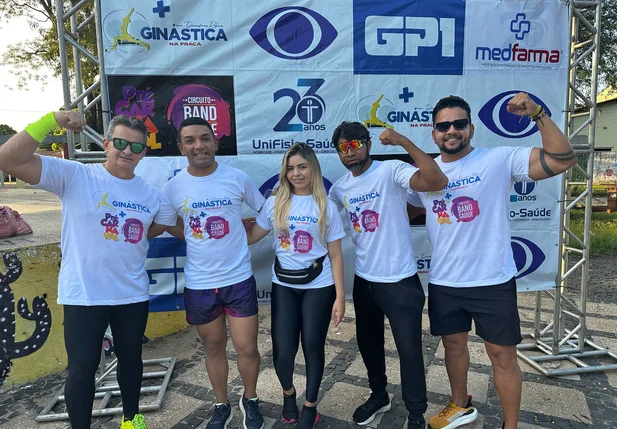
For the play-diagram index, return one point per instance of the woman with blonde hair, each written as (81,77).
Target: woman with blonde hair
(307,275)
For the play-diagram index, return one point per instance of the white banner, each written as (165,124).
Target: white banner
(517,36)
(163,37)
(299,70)
(288,107)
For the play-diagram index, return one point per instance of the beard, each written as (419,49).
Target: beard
(452,151)
(358,165)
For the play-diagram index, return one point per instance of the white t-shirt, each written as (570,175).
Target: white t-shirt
(375,206)
(105,223)
(303,243)
(468,223)
(217,252)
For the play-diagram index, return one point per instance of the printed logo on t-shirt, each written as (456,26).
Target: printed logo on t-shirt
(190,205)
(216,227)
(465,209)
(201,218)
(195,224)
(107,202)
(462,182)
(133,230)
(303,241)
(440,207)
(110,222)
(362,219)
(116,210)
(284,240)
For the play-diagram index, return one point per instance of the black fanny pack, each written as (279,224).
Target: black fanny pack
(299,277)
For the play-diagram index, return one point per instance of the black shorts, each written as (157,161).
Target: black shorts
(493,309)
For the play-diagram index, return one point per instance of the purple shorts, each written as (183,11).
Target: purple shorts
(237,300)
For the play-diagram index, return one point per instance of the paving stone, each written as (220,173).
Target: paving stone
(343,332)
(393,370)
(269,387)
(555,401)
(236,422)
(342,400)
(199,376)
(437,381)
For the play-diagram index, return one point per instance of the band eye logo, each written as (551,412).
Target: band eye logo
(293,33)
(495,116)
(527,256)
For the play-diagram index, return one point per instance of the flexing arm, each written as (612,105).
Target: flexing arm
(17,156)
(556,154)
(430,177)
(336,260)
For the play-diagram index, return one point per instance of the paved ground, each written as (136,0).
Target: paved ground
(576,401)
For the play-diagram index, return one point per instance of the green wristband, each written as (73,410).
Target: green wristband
(38,130)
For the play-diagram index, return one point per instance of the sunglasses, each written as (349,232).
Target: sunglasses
(121,144)
(353,144)
(459,124)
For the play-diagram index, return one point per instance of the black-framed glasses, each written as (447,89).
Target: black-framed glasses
(121,144)
(459,124)
(353,144)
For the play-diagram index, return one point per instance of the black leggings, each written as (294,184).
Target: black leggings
(301,313)
(84,328)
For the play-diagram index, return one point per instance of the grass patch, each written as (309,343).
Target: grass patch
(603,231)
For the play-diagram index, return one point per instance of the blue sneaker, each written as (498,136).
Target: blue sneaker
(221,416)
(252,416)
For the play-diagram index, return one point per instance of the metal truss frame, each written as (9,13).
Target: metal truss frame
(565,337)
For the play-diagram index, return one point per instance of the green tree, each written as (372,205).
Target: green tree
(32,59)
(6,130)
(607,61)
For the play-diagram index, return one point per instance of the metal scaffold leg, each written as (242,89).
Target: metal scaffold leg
(565,338)
(106,385)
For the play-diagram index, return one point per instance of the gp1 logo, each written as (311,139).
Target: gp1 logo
(406,37)
(527,256)
(495,116)
(293,33)
(309,107)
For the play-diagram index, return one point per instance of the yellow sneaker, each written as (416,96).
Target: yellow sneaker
(138,422)
(454,416)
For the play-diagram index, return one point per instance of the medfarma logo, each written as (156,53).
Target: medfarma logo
(520,28)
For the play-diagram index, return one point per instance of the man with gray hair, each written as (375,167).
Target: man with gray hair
(106,214)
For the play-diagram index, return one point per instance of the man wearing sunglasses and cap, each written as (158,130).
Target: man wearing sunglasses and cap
(106,214)
(472,268)
(373,197)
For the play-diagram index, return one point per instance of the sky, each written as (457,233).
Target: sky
(18,108)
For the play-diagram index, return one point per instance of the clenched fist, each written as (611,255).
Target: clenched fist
(70,120)
(522,105)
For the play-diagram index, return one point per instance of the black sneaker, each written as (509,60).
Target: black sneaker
(308,418)
(290,408)
(416,424)
(376,403)
(252,416)
(221,416)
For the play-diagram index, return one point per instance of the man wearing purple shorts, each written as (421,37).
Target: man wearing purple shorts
(220,286)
